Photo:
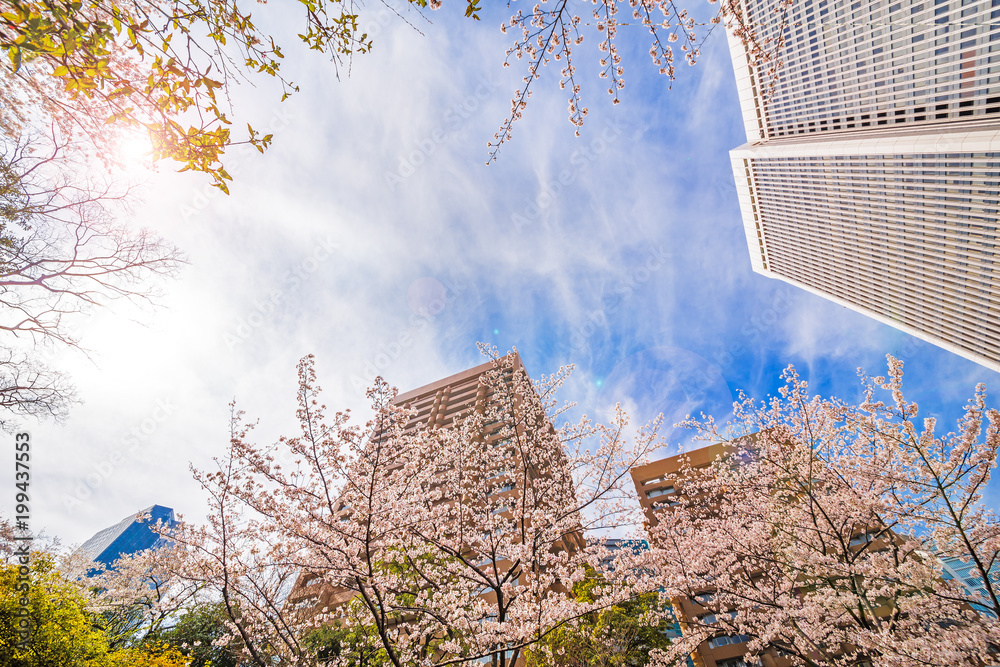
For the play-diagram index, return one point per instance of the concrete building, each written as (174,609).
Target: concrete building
(871,172)
(437,406)
(658,486)
(657,483)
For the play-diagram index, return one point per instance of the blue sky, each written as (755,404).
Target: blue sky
(373,235)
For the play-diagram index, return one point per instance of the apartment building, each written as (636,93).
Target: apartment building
(659,485)
(439,405)
(871,172)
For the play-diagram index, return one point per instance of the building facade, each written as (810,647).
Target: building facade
(129,536)
(972,583)
(436,406)
(658,485)
(871,172)
(440,403)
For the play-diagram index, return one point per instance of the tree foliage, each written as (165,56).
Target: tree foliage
(819,536)
(138,599)
(63,631)
(199,633)
(354,644)
(151,64)
(151,655)
(622,635)
(166,68)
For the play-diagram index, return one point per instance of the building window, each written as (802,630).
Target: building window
(866,538)
(709,619)
(704,598)
(726,640)
(656,493)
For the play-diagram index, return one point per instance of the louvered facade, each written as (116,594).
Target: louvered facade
(660,485)
(438,405)
(871,175)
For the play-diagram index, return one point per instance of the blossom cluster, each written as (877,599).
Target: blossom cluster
(820,535)
(436,543)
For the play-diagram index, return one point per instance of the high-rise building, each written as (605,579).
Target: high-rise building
(437,406)
(661,484)
(440,403)
(658,486)
(655,481)
(129,536)
(871,172)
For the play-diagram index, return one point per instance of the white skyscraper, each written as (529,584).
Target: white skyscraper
(871,175)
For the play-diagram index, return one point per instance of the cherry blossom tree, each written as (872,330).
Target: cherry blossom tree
(62,255)
(445,545)
(136,598)
(818,536)
(553,30)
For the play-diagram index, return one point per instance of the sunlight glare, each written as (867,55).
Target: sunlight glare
(135,151)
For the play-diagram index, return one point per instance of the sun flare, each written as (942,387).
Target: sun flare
(135,150)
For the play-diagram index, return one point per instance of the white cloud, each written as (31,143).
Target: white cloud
(318,223)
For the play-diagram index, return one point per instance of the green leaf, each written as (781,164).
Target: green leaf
(15,57)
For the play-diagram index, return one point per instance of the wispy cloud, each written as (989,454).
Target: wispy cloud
(373,235)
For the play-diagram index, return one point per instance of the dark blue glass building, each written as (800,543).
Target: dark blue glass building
(128,536)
